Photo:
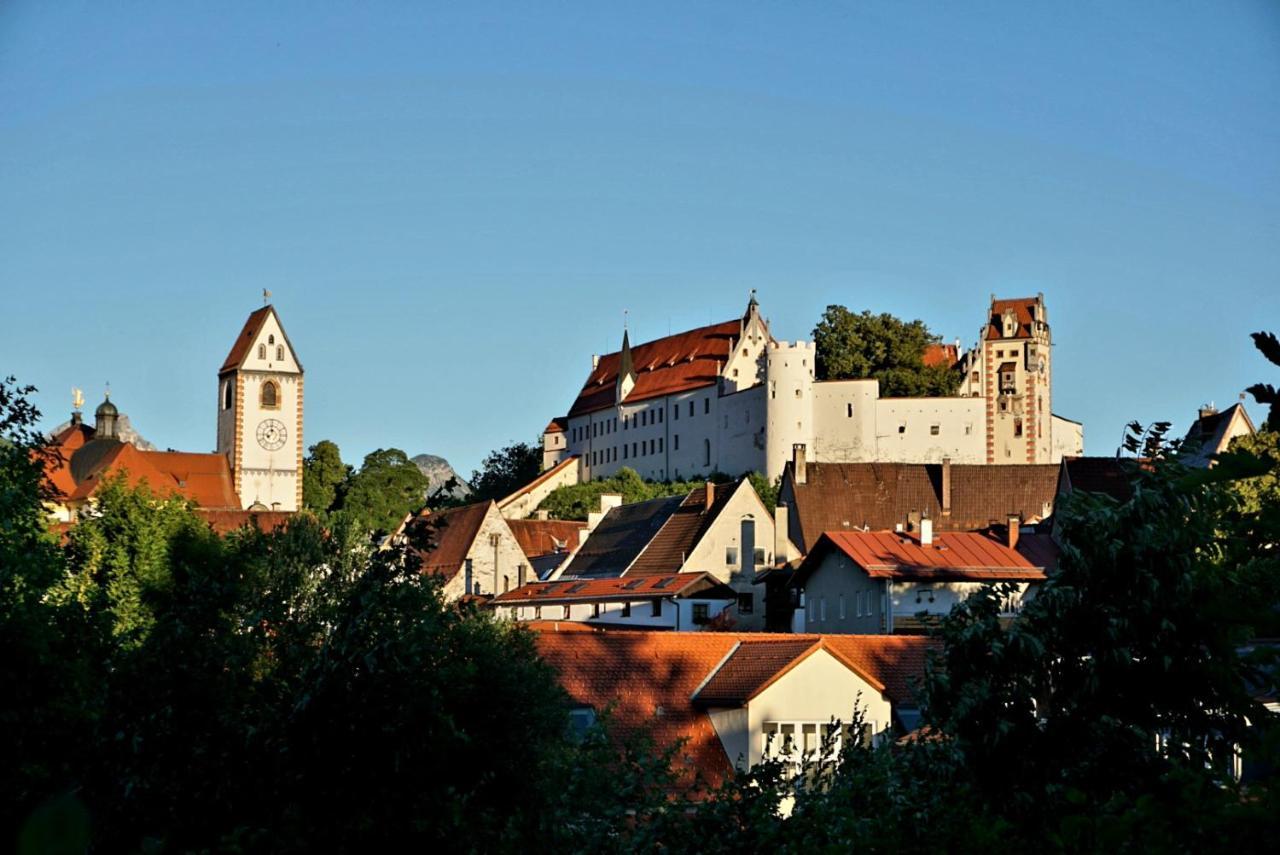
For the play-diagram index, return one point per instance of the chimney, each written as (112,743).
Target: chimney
(781,527)
(926,532)
(595,361)
(1014,529)
(946,486)
(799,470)
(541,514)
(75,417)
(710,496)
(1208,410)
(521,573)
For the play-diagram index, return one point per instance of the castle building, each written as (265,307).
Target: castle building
(260,415)
(731,398)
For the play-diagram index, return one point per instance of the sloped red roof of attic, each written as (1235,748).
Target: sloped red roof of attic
(676,363)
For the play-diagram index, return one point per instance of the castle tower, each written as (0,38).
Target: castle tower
(1016,381)
(789,375)
(260,415)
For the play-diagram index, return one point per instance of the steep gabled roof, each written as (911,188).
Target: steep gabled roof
(451,534)
(620,537)
(879,496)
(204,479)
(680,534)
(1210,433)
(665,366)
(249,334)
(945,355)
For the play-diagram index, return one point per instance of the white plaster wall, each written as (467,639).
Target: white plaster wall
(836,577)
(945,596)
(524,504)
(961,430)
(496,570)
(789,372)
(710,552)
(675,614)
(1068,439)
(739,445)
(844,421)
(818,689)
(733,727)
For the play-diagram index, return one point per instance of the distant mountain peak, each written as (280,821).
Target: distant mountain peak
(438,471)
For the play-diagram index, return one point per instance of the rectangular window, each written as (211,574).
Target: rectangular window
(675,412)
(566,612)
(706,406)
(841,601)
(731,555)
(660,412)
(633,449)
(902,428)
(822,609)
(701,613)
(746,604)
(624,451)
(849,410)
(595,610)
(1017,427)
(626,609)
(657,608)
(691,409)
(933,429)
(537,612)
(659,445)
(757,556)
(808,609)
(675,440)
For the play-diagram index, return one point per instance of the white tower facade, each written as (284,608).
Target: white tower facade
(789,387)
(260,415)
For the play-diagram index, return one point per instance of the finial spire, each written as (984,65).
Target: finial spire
(77,398)
(107,393)
(266,297)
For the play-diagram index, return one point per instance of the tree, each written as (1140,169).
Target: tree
(883,347)
(388,486)
(324,477)
(504,471)
(1265,393)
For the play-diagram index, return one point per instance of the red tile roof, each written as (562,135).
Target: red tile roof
(673,543)
(244,341)
(750,668)
(202,478)
(545,537)
(451,535)
(556,425)
(880,495)
(940,354)
(619,588)
(649,679)
(665,366)
(967,556)
(1023,308)
(226,521)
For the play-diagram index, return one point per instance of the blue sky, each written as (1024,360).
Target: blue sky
(453,205)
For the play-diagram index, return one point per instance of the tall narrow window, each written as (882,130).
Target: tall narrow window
(228,394)
(691,409)
(706,452)
(279,353)
(706,406)
(270,398)
(262,351)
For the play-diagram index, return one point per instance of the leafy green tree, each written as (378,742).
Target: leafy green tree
(505,470)
(855,346)
(1264,393)
(388,486)
(324,477)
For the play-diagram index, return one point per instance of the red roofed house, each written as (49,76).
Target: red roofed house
(733,697)
(472,550)
(885,581)
(730,398)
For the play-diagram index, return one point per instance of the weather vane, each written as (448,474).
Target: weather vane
(624,320)
(77,398)
(266,296)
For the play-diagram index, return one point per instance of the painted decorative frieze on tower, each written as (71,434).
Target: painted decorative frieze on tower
(260,415)
(1016,377)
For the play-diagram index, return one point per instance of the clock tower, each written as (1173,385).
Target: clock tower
(260,415)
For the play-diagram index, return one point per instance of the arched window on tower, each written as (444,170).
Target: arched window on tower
(271,339)
(270,396)
(262,351)
(279,353)
(228,394)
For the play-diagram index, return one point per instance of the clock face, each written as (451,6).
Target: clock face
(272,434)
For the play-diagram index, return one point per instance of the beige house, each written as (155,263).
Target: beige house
(730,699)
(471,549)
(723,530)
(1212,431)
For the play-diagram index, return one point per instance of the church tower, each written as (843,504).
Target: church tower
(260,415)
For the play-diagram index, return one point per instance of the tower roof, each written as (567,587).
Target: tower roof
(249,334)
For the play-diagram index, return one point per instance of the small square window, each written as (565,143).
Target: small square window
(746,604)
(933,430)
(731,555)
(701,613)
(902,428)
